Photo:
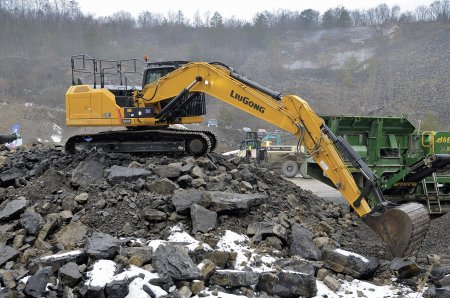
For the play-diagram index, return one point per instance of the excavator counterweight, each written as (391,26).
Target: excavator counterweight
(174,93)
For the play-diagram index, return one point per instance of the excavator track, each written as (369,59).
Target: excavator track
(196,143)
(403,228)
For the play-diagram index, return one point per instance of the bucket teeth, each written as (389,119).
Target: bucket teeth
(403,227)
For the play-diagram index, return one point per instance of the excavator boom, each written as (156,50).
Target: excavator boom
(167,98)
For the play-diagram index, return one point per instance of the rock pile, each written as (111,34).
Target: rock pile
(117,225)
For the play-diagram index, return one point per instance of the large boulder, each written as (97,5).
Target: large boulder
(234,278)
(7,253)
(439,273)
(225,202)
(38,282)
(288,284)
(71,234)
(13,209)
(87,172)
(69,274)
(32,221)
(203,220)
(8,176)
(174,261)
(172,170)
(350,263)
(302,243)
(262,230)
(102,246)
(185,198)
(404,267)
(161,186)
(118,174)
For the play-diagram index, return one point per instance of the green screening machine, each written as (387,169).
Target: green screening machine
(412,166)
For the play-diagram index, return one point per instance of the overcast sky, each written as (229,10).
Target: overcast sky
(241,9)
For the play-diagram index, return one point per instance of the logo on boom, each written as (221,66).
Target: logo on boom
(247,102)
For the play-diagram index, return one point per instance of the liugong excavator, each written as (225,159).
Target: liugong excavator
(174,93)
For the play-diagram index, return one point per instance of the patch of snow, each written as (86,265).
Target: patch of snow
(101,274)
(350,289)
(56,138)
(136,289)
(301,64)
(25,279)
(233,242)
(349,253)
(57,128)
(179,236)
(63,255)
(208,293)
(29,104)
(154,244)
(134,271)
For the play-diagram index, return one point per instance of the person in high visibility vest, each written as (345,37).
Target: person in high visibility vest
(248,152)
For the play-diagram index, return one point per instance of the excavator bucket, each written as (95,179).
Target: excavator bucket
(403,227)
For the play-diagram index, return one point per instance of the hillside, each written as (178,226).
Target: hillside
(391,70)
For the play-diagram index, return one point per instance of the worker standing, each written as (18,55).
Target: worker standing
(9,138)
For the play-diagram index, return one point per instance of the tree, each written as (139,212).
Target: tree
(345,19)
(197,22)
(310,18)
(216,20)
(261,21)
(329,19)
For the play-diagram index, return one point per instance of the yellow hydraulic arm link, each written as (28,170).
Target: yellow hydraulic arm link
(401,227)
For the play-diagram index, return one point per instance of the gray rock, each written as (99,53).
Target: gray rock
(262,230)
(154,215)
(404,267)
(174,261)
(185,180)
(87,172)
(143,253)
(199,182)
(349,263)
(69,274)
(32,221)
(225,202)
(13,209)
(443,292)
(445,281)
(197,172)
(161,186)
(100,204)
(10,175)
(183,199)
(7,253)
(294,284)
(439,272)
(117,288)
(172,170)
(207,267)
(102,246)
(38,282)
(203,220)
(234,278)
(302,243)
(71,234)
(82,198)
(119,174)
(69,204)
(52,222)
(332,283)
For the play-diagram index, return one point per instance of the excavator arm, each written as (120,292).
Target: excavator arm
(402,227)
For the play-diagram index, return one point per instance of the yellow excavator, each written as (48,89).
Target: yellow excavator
(174,93)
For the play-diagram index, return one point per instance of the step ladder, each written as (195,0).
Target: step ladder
(432,193)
